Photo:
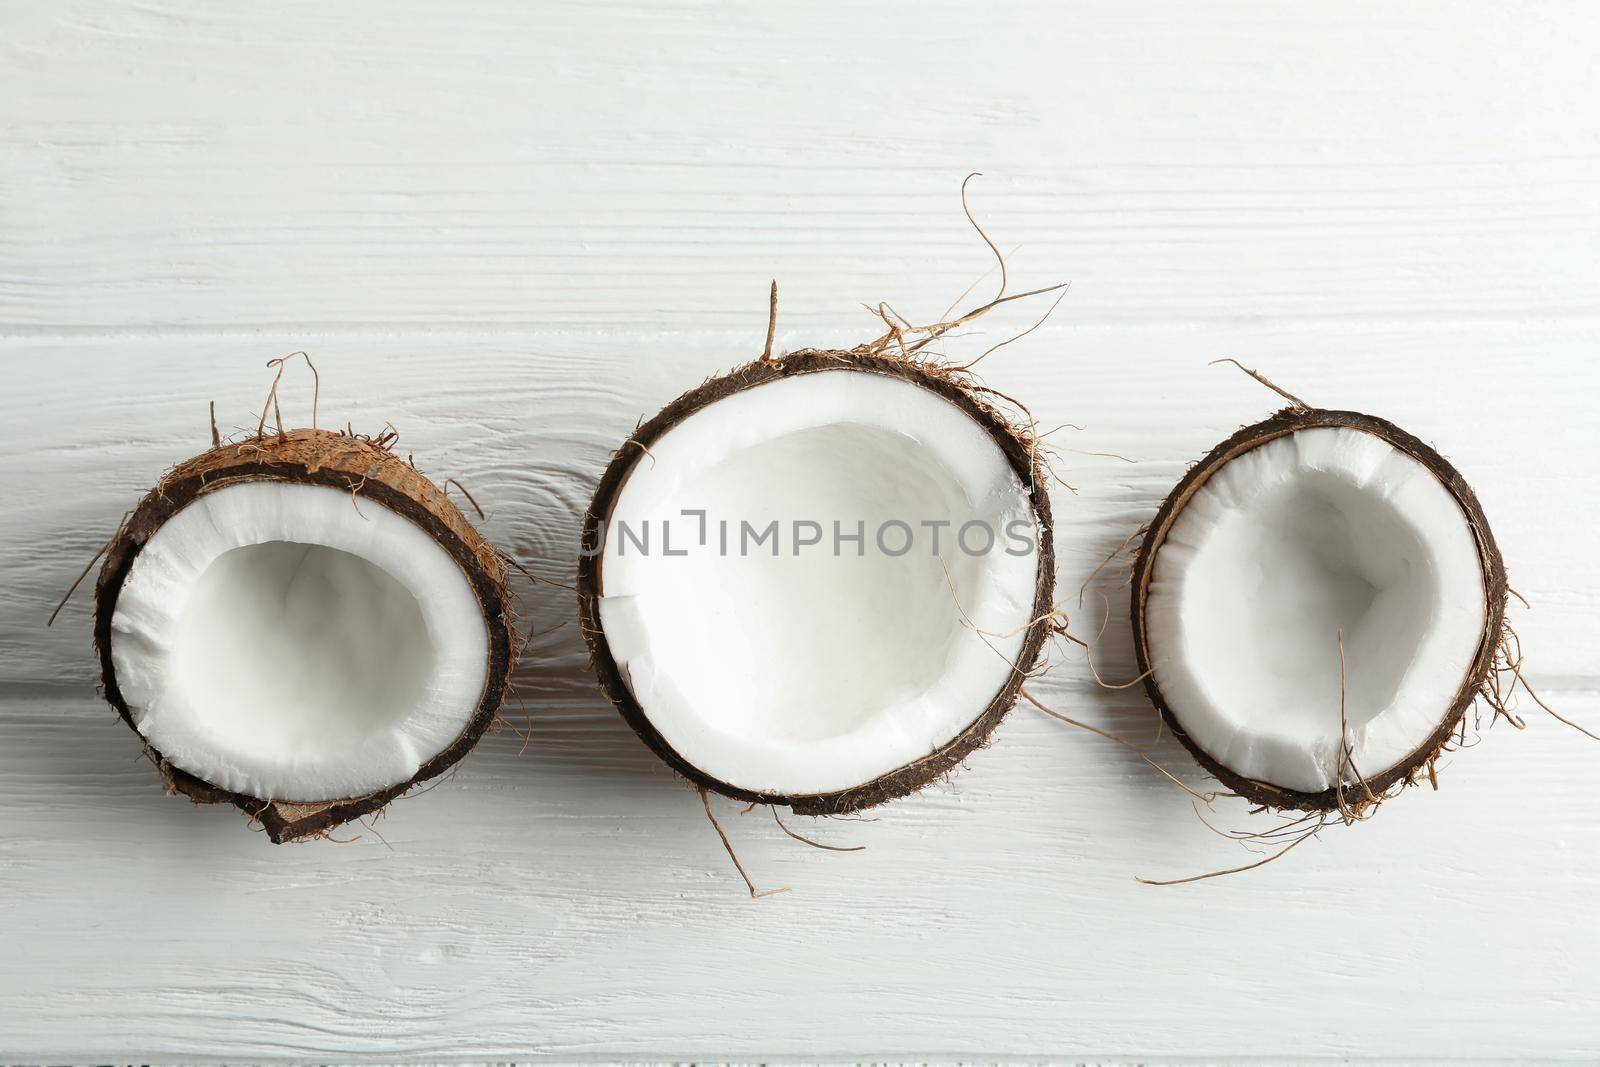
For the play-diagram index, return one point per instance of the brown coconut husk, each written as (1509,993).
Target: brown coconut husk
(1358,800)
(373,476)
(892,356)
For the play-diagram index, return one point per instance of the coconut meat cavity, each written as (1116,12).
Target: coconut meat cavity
(848,645)
(1283,548)
(286,641)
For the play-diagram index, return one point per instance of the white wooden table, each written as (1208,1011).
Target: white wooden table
(511,229)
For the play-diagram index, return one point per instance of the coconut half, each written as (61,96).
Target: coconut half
(1306,531)
(302,625)
(792,633)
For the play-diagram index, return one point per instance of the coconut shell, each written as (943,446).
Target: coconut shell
(368,471)
(953,386)
(1288,421)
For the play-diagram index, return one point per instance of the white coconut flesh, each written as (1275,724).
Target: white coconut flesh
(814,671)
(289,642)
(1316,533)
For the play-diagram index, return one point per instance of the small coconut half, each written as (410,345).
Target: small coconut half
(1317,603)
(303,625)
(848,568)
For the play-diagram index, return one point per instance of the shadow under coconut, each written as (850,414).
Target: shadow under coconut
(1102,687)
(81,755)
(554,717)
(555,721)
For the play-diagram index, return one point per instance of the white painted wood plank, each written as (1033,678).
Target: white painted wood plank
(571,900)
(376,166)
(531,907)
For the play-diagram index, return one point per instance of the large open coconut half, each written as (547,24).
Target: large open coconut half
(1316,604)
(302,625)
(754,643)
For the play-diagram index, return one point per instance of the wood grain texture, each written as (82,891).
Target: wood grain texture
(514,229)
